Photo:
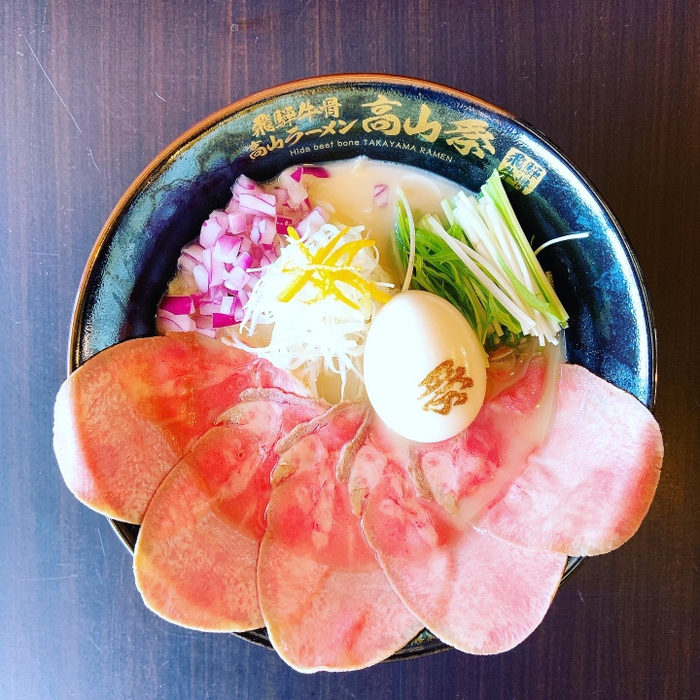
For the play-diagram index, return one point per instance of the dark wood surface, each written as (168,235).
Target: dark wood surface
(89,94)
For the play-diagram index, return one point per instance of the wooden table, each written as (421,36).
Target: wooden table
(90,93)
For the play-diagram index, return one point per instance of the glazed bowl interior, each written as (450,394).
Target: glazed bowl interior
(385,118)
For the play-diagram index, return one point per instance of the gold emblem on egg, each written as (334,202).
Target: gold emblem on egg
(439,391)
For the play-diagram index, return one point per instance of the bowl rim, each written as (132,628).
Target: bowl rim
(170,152)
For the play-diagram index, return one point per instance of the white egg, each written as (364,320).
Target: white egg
(424,367)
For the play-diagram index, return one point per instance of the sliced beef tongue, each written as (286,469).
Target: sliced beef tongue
(467,472)
(472,591)
(196,555)
(325,601)
(124,418)
(587,489)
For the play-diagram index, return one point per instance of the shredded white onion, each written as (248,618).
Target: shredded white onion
(561,239)
(314,335)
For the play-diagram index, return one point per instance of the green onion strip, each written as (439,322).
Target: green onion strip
(411,240)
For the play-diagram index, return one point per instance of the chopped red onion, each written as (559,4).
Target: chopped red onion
(201,277)
(258,203)
(381,195)
(244,183)
(178,323)
(236,223)
(238,309)
(313,170)
(227,305)
(316,171)
(233,241)
(206,260)
(221,217)
(283,223)
(187,263)
(245,260)
(208,308)
(223,320)
(215,294)
(295,190)
(236,279)
(232,206)
(268,232)
(210,232)
(312,223)
(227,248)
(217,271)
(269,256)
(203,321)
(177,304)
(194,250)
(205,325)
(281,195)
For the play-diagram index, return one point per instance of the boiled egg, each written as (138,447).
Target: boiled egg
(424,367)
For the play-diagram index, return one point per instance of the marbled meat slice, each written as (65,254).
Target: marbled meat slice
(326,603)
(466,472)
(196,555)
(474,592)
(125,417)
(588,488)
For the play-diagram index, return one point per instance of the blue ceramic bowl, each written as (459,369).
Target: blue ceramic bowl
(403,120)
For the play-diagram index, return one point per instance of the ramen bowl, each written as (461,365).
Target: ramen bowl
(394,119)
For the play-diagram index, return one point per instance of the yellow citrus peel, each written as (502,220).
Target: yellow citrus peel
(329,266)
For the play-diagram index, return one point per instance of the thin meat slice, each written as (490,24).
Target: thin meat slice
(474,592)
(326,603)
(468,471)
(196,555)
(124,418)
(588,488)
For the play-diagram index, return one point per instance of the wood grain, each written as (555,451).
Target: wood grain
(91,91)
